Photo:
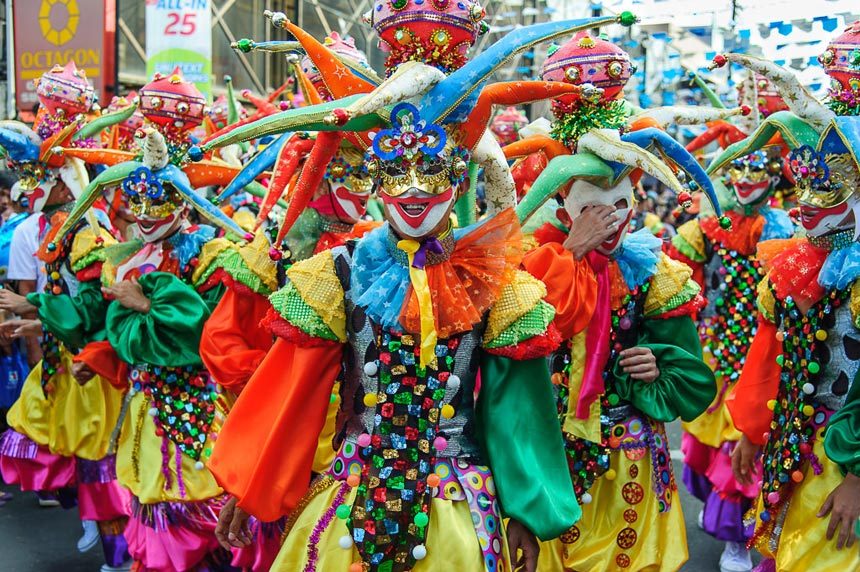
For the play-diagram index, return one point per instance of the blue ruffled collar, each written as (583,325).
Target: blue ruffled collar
(188,242)
(637,257)
(841,267)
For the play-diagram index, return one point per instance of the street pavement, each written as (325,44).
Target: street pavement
(34,539)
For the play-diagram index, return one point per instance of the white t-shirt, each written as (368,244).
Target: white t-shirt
(23,263)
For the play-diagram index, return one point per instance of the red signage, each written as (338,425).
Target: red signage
(52,32)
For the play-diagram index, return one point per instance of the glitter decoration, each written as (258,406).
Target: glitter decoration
(320,527)
(573,120)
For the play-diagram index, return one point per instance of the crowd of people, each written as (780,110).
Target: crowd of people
(384,322)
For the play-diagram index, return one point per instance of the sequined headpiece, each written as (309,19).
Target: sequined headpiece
(767,97)
(823,180)
(65,91)
(435,32)
(586,59)
(172,103)
(841,61)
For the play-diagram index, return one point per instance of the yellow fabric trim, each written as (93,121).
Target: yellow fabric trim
(207,256)
(855,303)
(418,278)
(257,259)
(518,297)
(692,233)
(668,280)
(582,428)
(317,283)
(766,303)
(245,219)
(85,243)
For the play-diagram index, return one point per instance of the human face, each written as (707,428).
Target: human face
(583,195)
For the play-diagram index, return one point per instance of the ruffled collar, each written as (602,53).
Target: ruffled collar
(841,267)
(637,257)
(187,242)
(464,284)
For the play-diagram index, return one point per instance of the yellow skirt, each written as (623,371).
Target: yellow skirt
(803,544)
(139,461)
(74,420)
(622,528)
(452,544)
(714,428)
(325,453)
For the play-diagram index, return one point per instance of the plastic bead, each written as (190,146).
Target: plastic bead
(343,511)
(52,246)
(363,440)
(353,480)
(345,542)
(610,475)
(780,359)
(773,497)
(454,382)
(433,480)
(356,567)
(764,516)
(586,498)
(370,400)
(627,18)
(440,443)
(814,367)
(821,335)
(370,368)
(419,552)
(421,519)
(796,476)
(195,153)
(153,412)
(771,404)
(198,465)
(448,411)
(808,410)
(808,388)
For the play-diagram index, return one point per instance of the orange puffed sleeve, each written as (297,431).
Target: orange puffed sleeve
(758,384)
(571,286)
(265,451)
(233,342)
(102,359)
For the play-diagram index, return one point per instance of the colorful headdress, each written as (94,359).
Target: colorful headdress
(507,124)
(436,32)
(172,103)
(841,61)
(604,158)
(442,101)
(152,178)
(121,136)
(345,49)
(65,91)
(585,59)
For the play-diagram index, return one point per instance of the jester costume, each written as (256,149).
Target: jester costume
(797,395)
(629,295)
(725,266)
(406,316)
(173,408)
(61,431)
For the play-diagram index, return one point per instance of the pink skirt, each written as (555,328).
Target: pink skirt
(32,466)
(100,496)
(172,537)
(260,556)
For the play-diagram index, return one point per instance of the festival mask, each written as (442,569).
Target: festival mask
(583,194)
(753,176)
(419,170)
(157,209)
(826,190)
(349,186)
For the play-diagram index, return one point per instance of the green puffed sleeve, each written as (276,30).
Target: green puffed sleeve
(167,335)
(686,384)
(518,427)
(75,320)
(212,296)
(842,440)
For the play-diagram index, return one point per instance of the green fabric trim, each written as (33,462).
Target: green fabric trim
(532,323)
(687,249)
(289,304)
(685,386)
(231,261)
(76,321)
(517,425)
(687,293)
(842,440)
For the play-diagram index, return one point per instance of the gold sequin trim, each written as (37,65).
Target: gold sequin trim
(319,485)
(519,297)
(317,283)
(668,280)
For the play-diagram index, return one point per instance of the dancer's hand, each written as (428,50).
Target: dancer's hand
(15,303)
(521,539)
(82,372)
(130,295)
(743,460)
(14,329)
(590,229)
(639,363)
(232,528)
(843,505)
